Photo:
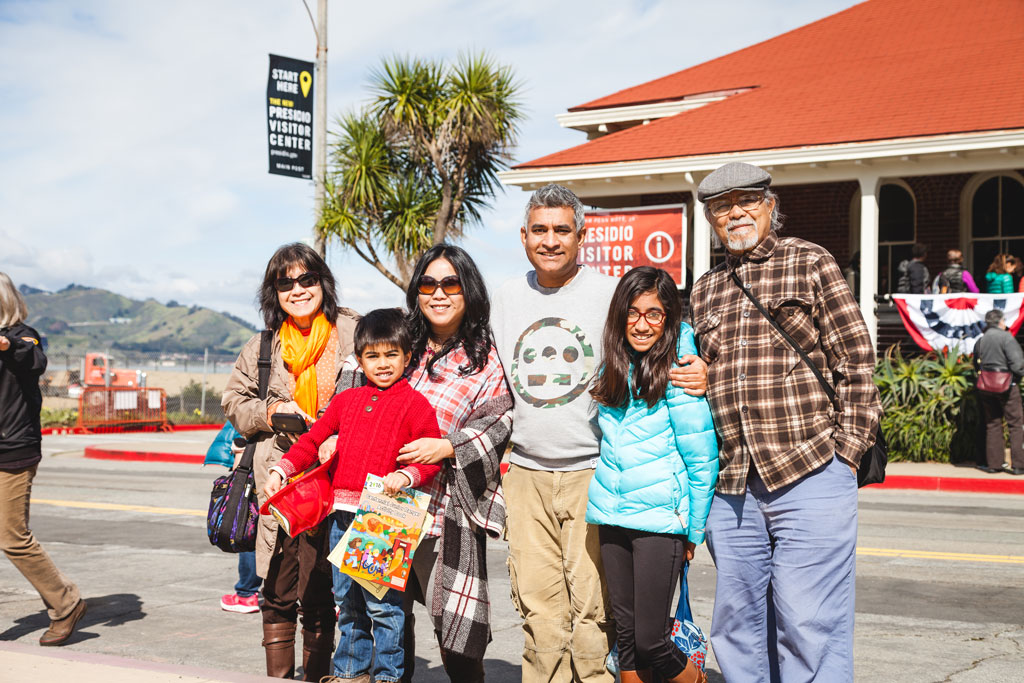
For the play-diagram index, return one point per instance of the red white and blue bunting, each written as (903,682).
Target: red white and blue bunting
(940,321)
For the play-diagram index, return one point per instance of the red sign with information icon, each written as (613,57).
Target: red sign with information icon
(620,239)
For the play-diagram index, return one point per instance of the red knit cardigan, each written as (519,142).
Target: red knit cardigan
(371,424)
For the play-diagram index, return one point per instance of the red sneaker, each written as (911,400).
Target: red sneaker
(233,602)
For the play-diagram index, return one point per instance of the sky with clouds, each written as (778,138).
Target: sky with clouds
(133,149)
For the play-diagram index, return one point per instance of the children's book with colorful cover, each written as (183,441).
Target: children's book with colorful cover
(379,544)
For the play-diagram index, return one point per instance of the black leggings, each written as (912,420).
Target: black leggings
(642,571)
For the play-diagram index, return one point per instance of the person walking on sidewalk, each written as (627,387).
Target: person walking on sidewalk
(312,337)
(997,350)
(22,362)
(782,530)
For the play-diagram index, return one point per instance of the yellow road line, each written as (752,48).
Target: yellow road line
(118,506)
(931,555)
(867,552)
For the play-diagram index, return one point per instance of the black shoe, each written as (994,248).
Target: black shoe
(990,470)
(1015,470)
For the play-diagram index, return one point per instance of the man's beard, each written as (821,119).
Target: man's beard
(738,244)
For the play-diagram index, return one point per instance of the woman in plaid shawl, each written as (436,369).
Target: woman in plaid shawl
(454,364)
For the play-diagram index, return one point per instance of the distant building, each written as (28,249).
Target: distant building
(891,122)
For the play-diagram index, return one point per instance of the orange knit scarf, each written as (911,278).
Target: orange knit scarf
(301,353)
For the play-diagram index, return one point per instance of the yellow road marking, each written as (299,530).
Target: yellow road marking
(868,552)
(932,555)
(118,506)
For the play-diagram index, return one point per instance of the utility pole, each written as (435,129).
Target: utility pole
(320,121)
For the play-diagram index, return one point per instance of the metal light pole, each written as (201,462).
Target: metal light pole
(320,119)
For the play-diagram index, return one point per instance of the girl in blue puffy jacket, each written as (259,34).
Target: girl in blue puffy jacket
(653,485)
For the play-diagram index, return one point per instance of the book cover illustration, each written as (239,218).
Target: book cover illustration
(379,545)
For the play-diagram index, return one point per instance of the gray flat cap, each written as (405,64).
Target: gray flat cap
(734,176)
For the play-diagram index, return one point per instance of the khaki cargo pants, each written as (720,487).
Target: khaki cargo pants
(555,569)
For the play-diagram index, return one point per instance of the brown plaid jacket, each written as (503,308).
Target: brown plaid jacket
(766,402)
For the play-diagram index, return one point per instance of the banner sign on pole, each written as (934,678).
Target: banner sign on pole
(940,321)
(621,239)
(290,117)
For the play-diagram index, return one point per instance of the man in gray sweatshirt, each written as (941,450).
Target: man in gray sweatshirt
(547,328)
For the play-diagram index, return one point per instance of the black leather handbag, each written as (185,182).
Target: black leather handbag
(873,461)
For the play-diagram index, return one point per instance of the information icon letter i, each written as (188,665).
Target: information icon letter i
(305,81)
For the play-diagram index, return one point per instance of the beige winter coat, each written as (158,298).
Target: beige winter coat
(248,414)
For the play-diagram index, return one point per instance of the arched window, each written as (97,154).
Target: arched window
(997,222)
(897,231)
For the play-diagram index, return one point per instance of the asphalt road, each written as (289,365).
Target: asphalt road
(940,578)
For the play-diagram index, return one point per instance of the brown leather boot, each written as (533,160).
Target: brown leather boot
(317,652)
(279,644)
(691,674)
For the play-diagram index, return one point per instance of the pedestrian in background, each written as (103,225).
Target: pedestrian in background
(226,446)
(998,279)
(913,274)
(998,351)
(955,278)
(22,362)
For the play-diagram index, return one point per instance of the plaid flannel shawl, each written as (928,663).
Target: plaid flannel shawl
(770,411)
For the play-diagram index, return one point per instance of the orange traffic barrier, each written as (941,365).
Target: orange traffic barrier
(121,407)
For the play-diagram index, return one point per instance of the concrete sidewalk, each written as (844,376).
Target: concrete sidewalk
(20,663)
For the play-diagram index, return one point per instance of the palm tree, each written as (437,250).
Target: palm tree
(416,166)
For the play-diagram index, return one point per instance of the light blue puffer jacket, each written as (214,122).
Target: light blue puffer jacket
(659,465)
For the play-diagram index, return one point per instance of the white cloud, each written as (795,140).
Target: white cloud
(134,132)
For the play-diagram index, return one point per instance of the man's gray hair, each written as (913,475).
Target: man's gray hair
(554,196)
(993,318)
(777,217)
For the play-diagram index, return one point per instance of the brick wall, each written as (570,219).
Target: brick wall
(819,213)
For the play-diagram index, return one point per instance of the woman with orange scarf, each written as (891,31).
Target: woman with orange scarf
(313,335)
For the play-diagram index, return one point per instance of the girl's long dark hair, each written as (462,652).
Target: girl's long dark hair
(650,369)
(304,256)
(474,332)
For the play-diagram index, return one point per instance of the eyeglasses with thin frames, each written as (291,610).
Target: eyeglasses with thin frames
(723,205)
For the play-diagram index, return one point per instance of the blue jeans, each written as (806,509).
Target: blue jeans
(369,630)
(785,594)
(248,580)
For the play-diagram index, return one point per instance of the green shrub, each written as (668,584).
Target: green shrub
(58,417)
(931,406)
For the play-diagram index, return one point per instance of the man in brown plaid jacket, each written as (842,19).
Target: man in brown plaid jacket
(783,525)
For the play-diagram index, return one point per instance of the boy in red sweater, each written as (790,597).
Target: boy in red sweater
(372,422)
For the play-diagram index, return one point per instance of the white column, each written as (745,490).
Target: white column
(869,252)
(701,240)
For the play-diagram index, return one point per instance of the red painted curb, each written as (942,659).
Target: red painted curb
(990,484)
(123,430)
(105,453)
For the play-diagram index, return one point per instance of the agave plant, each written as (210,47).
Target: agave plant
(931,409)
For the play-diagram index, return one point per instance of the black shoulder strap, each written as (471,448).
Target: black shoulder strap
(263,364)
(829,391)
(262,381)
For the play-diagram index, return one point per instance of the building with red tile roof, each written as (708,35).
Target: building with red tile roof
(891,122)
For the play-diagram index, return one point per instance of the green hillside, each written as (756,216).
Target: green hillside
(78,319)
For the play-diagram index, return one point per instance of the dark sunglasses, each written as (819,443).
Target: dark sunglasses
(449,285)
(307,280)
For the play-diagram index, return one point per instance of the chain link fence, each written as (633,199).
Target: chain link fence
(193,383)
